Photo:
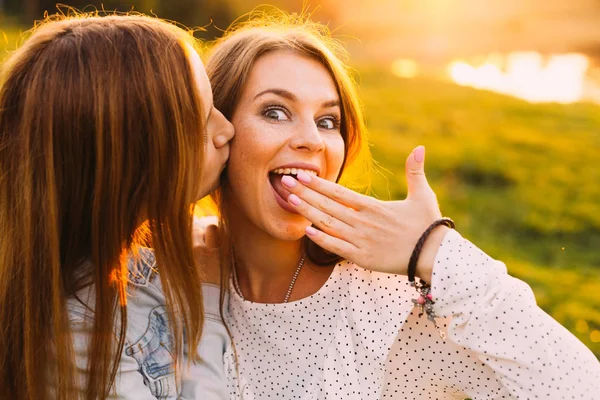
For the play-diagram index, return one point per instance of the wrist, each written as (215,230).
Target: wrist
(430,249)
(421,264)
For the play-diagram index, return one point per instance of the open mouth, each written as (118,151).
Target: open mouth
(281,192)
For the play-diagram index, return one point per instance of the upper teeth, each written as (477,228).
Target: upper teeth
(293,171)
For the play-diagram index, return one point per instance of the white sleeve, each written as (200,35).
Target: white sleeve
(206,379)
(496,317)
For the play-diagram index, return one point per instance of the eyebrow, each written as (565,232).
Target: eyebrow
(331,103)
(290,96)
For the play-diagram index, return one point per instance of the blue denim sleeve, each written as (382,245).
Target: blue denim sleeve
(129,382)
(146,366)
(205,379)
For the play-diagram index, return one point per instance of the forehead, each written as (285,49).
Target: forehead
(301,75)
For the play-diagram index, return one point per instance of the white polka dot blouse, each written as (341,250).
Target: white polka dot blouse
(360,337)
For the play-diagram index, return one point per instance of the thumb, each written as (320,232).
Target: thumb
(415,174)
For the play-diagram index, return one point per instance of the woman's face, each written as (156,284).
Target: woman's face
(219,130)
(288,118)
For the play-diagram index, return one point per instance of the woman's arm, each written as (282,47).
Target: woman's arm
(495,316)
(205,379)
(146,368)
(129,383)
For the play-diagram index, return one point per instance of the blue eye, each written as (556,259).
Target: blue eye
(329,123)
(275,114)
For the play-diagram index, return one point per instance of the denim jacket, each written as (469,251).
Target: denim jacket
(146,367)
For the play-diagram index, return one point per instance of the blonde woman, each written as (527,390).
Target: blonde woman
(320,304)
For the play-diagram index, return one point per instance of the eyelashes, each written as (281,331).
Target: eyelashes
(336,121)
(271,113)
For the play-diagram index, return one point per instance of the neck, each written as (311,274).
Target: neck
(265,265)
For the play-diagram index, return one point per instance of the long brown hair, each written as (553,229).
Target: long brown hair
(266,30)
(101,128)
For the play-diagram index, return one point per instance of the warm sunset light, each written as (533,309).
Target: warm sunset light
(487,110)
(526,75)
(405,68)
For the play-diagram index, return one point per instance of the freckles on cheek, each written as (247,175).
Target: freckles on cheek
(248,140)
(255,144)
(335,158)
(238,166)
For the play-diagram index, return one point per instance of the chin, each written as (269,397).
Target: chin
(288,228)
(295,234)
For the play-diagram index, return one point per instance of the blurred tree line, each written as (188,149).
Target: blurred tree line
(212,15)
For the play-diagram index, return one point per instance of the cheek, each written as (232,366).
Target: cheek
(209,154)
(243,149)
(245,155)
(236,168)
(335,156)
(208,160)
(255,142)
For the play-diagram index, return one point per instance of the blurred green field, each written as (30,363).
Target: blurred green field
(520,180)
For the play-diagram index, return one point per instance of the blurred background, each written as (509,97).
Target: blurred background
(505,95)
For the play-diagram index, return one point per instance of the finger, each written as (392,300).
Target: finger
(199,240)
(324,221)
(334,191)
(415,174)
(331,243)
(211,237)
(321,202)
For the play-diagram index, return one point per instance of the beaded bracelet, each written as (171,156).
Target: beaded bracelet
(425,300)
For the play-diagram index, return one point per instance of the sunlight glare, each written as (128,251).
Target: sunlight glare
(526,75)
(405,68)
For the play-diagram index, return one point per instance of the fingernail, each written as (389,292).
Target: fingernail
(419,154)
(295,200)
(288,181)
(310,231)
(304,177)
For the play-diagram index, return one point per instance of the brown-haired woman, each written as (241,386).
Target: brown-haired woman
(108,136)
(307,327)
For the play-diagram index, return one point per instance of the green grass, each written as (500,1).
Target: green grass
(522,181)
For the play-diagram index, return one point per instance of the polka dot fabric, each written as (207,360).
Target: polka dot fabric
(359,337)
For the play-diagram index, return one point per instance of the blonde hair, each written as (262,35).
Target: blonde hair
(101,127)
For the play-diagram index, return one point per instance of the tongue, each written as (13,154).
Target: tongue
(278,186)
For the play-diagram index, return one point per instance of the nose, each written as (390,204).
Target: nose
(225,132)
(308,138)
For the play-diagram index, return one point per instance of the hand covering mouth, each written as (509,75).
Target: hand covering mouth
(278,173)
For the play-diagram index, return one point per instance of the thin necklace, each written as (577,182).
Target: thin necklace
(236,284)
